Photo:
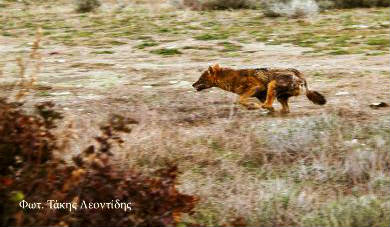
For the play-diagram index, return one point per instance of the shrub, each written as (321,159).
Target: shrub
(216,4)
(84,6)
(293,8)
(31,171)
(279,7)
(353,3)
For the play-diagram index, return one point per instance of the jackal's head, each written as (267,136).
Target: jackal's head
(207,79)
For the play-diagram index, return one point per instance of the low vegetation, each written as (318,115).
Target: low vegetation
(302,172)
(33,169)
(166,51)
(216,4)
(358,3)
(296,8)
(84,6)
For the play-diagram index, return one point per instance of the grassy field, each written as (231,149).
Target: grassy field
(318,166)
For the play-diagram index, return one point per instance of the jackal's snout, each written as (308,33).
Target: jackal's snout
(199,86)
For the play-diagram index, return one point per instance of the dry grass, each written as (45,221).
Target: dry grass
(27,82)
(295,172)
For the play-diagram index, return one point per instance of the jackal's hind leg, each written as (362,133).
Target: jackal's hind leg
(243,100)
(284,101)
(271,93)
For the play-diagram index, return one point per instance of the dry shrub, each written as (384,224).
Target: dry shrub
(353,3)
(85,6)
(275,8)
(31,171)
(27,80)
(215,4)
(293,8)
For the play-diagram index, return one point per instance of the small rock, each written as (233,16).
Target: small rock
(342,93)
(360,26)
(61,93)
(351,142)
(91,97)
(377,105)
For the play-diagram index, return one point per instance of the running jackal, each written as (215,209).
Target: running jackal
(266,84)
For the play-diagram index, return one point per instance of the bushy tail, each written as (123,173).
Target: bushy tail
(314,96)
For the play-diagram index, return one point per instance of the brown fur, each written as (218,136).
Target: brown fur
(265,84)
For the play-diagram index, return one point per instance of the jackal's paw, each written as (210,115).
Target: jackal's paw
(269,108)
(253,106)
(283,111)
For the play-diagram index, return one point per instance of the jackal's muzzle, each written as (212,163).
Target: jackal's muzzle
(199,87)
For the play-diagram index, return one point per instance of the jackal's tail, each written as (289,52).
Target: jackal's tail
(314,96)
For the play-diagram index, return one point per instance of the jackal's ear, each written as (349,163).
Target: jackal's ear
(211,70)
(216,67)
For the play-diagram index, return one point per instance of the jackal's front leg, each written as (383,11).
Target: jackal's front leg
(243,100)
(271,93)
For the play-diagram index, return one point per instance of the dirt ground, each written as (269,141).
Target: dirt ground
(82,81)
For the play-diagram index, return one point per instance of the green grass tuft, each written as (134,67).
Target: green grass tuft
(146,44)
(378,42)
(103,52)
(209,36)
(166,51)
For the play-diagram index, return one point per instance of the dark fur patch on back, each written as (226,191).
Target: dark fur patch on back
(262,69)
(295,71)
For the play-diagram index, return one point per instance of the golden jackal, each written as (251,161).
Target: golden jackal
(266,84)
